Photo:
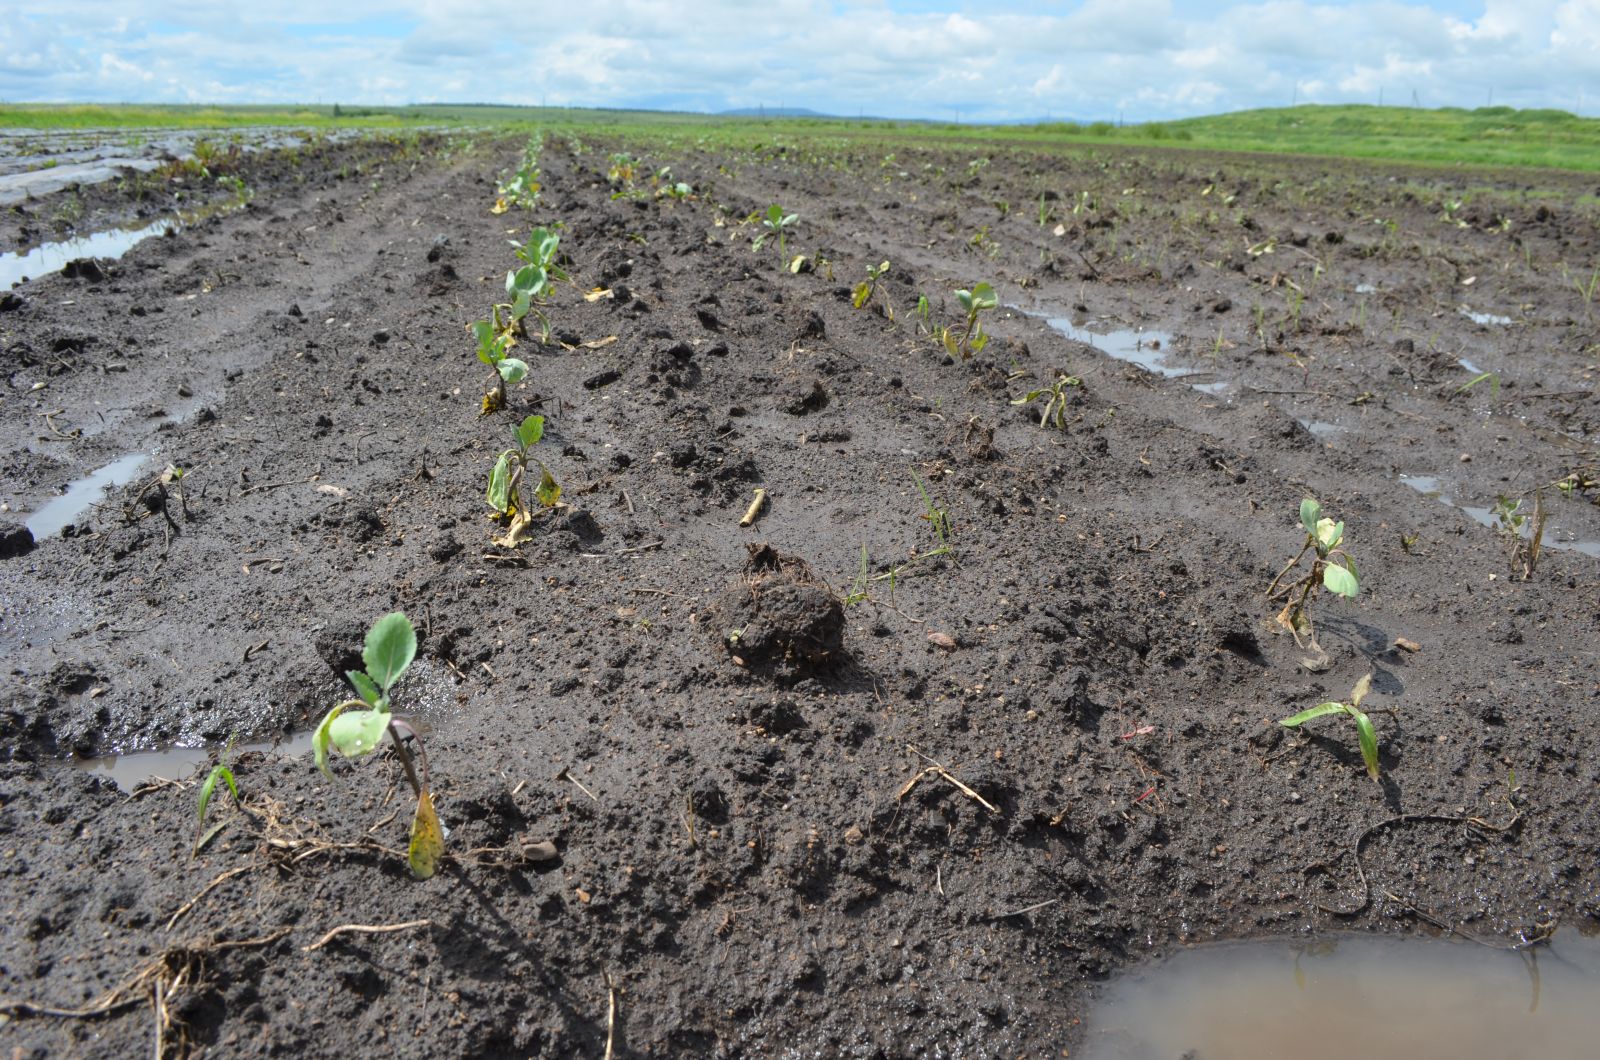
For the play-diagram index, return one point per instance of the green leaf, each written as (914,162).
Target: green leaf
(218,772)
(983,297)
(356,732)
(210,834)
(319,739)
(548,492)
(500,483)
(775,215)
(1350,562)
(1321,710)
(530,280)
(978,341)
(365,688)
(391,645)
(427,838)
(512,370)
(1329,534)
(1338,580)
(965,298)
(530,430)
(1310,512)
(1369,743)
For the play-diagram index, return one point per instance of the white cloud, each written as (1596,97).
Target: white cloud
(1008,59)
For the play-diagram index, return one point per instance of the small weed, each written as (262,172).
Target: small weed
(1365,733)
(220,772)
(938,519)
(1492,378)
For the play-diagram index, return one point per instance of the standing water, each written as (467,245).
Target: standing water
(1356,997)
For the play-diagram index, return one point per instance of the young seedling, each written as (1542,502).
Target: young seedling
(776,224)
(492,347)
(357,726)
(1522,530)
(968,337)
(1332,568)
(1055,405)
(528,286)
(938,518)
(1364,730)
(219,772)
(863,292)
(505,494)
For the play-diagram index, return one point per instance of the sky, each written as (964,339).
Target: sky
(1004,60)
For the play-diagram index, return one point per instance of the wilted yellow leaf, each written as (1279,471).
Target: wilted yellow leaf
(517,532)
(427,838)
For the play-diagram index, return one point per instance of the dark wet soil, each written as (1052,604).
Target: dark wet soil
(927,821)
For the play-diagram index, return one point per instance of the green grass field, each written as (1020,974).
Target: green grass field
(1488,136)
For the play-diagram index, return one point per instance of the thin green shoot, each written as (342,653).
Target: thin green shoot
(1366,735)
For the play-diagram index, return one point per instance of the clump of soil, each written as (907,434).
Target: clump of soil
(780,615)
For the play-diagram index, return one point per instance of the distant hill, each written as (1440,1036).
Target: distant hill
(774,112)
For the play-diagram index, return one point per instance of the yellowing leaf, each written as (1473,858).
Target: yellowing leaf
(598,293)
(427,838)
(595,344)
(516,532)
(500,206)
(549,492)
(492,402)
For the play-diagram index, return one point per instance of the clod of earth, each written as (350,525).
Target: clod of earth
(779,615)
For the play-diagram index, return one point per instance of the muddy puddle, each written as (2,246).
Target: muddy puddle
(134,770)
(1146,347)
(110,244)
(1375,998)
(58,513)
(1554,536)
(429,693)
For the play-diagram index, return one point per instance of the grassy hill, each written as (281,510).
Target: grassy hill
(1492,136)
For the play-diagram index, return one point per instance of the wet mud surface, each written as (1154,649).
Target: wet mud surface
(803,803)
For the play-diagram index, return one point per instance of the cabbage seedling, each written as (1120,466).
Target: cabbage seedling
(863,292)
(357,726)
(505,493)
(529,285)
(1055,405)
(776,224)
(492,347)
(968,337)
(1364,730)
(1332,568)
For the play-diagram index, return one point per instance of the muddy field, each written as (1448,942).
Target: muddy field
(803,803)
